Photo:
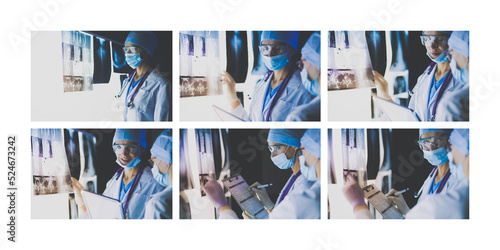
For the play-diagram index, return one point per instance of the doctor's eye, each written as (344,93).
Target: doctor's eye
(131,50)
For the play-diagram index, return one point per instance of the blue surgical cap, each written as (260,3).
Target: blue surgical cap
(459,42)
(144,39)
(289,137)
(447,32)
(311,141)
(288,37)
(459,138)
(312,50)
(440,130)
(135,135)
(162,148)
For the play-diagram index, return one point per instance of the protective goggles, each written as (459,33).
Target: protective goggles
(437,40)
(125,148)
(274,50)
(277,147)
(431,143)
(132,49)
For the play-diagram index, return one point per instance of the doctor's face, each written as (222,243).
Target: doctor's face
(438,42)
(126,151)
(278,148)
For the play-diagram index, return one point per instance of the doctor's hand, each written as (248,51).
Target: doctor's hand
(262,196)
(77,188)
(228,80)
(215,193)
(382,86)
(399,201)
(353,193)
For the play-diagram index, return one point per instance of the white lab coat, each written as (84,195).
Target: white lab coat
(303,204)
(452,181)
(452,204)
(146,187)
(306,112)
(419,102)
(300,205)
(151,103)
(295,94)
(454,107)
(160,205)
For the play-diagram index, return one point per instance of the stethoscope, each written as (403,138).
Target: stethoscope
(442,89)
(282,87)
(130,102)
(431,176)
(132,188)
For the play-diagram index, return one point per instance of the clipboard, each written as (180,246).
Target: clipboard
(226,116)
(244,197)
(102,207)
(394,111)
(378,200)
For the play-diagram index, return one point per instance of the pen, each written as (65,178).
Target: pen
(264,185)
(400,192)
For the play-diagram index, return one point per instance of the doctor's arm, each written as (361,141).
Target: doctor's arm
(382,86)
(216,195)
(163,104)
(354,194)
(77,188)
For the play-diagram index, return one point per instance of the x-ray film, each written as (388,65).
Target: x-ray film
(349,65)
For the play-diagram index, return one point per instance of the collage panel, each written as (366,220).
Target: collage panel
(101,76)
(398,76)
(398,173)
(250,173)
(270,76)
(101,173)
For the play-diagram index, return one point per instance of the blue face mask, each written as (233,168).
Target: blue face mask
(275,62)
(163,179)
(282,162)
(457,170)
(307,171)
(460,75)
(311,86)
(440,59)
(132,164)
(436,157)
(133,60)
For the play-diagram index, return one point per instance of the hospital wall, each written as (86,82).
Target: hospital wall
(49,102)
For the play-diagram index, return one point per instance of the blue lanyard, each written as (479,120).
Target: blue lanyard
(442,182)
(135,182)
(281,88)
(289,186)
(443,87)
(143,78)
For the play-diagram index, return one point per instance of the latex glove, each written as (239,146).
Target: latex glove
(247,215)
(399,201)
(215,193)
(353,192)
(228,80)
(382,86)
(262,196)
(77,188)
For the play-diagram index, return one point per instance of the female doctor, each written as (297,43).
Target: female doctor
(284,145)
(143,96)
(436,81)
(455,199)
(160,204)
(434,144)
(305,204)
(281,89)
(133,183)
